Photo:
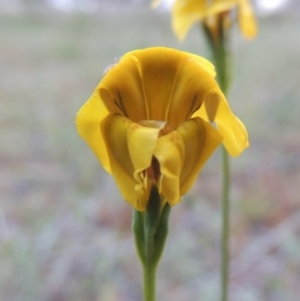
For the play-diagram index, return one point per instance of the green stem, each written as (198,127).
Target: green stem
(222,70)
(150,229)
(225,225)
(220,56)
(149,282)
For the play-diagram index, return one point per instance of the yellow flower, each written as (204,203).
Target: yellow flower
(148,123)
(187,12)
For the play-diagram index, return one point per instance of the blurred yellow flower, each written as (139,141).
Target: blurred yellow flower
(187,12)
(148,123)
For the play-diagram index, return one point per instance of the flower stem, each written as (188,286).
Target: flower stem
(225,225)
(149,282)
(218,40)
(221,66)
(151,229)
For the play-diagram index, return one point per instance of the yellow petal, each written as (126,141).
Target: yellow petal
(122,90)
(200,141)
(219,6)
(88,125)
(174,82)
(115,130)
(246,17)
(203,63)
(247,20)
(141,143)
(233,130)
(144,54)
(185,14)
(216,109)
(169,152)
(182,154)
(158,68)
(192,86)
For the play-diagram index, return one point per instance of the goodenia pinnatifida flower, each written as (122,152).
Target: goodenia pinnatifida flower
(149,123)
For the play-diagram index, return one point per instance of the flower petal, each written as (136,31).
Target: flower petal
(169,152)
(246,17)
(88,125)
(185,14)
(200,139)
(122,90)
(158,68)
(192,86)
(182,154)
(114,129)
(233,130)
(216,109)
(220,6)
(203,63)
(141,143)
(247,20)
(171,82)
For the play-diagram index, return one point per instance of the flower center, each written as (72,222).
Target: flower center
(158,124)
(150,176)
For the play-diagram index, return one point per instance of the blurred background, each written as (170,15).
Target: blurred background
(65,232)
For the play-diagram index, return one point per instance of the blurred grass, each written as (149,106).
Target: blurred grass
(64,229)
